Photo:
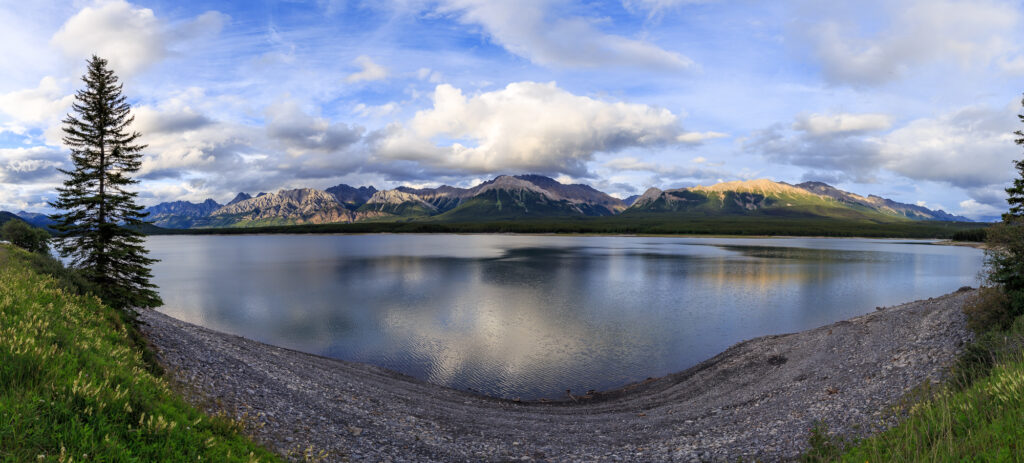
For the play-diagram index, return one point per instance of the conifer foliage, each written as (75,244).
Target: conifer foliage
(1016,192)
(99,219)
(1005,243)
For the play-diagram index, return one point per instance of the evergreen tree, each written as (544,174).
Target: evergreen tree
(99,220)
(1005,246)
(1016,192)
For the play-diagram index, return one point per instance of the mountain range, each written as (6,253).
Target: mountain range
(533,196)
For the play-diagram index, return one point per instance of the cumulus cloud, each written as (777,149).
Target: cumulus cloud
(846,155)
(970,148)
(828,124)
(46,103)
(369,71)
(129,37)
(527,28)
(211,148)
(975,210)
(527,126)
(301,132)
(917,32)
(25,196)
(151,120)
(29,165)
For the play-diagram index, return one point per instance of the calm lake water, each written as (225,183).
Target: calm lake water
(532,316)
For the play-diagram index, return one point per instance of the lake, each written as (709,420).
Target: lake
(531,316)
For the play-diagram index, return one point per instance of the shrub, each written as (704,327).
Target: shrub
(25,236)
(989,309)
(1005,262)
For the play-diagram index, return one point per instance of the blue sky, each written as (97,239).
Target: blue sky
(911,100)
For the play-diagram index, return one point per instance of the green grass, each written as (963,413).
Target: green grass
(74,385)
(977,415)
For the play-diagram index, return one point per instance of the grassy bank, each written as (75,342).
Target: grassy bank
(975,416)
(74,385)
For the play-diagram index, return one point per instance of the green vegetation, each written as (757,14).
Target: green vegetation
(635,223)
(7,216)
(75,384)
(1005,255)
(976,416)
(100,220)
(25,236)
(976,235)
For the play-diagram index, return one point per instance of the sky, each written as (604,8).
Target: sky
(913,100)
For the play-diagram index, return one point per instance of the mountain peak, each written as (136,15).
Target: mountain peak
(241,196)
(398,202)
(761,186)
(508,182)
(354,197)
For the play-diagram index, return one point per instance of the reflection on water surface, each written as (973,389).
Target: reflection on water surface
(532,316)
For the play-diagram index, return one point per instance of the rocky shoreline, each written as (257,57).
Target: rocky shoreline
(757,400)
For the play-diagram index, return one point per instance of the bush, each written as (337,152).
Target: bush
(1005,263)
(988,310)
(25,236)
(68,279)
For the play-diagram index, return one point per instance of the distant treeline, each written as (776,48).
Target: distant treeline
(656,224)
(973,234)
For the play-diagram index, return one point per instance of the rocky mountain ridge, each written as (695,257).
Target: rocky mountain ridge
(780,198)
(510,197)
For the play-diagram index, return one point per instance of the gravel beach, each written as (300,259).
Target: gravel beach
(757,400)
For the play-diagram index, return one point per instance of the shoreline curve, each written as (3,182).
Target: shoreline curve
(756,400)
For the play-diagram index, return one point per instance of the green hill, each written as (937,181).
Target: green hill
(754,198)
(74,384)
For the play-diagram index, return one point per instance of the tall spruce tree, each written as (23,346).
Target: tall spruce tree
(99,219)
(1016,192)
(1005,245)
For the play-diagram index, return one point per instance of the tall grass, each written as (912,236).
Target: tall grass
(74,385)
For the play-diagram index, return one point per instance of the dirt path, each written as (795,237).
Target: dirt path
(757,399)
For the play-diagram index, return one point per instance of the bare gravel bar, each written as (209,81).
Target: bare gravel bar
(755,401)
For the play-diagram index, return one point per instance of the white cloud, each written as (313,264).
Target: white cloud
(383,110)
(825,124)
(979,211)
(150,120)
(30,165)
(301,133)
(525,28)
(969,148)
(699,137)
(43,105)
(526,126)
(370,71)
(129,37)
(970,33)
(429,75)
